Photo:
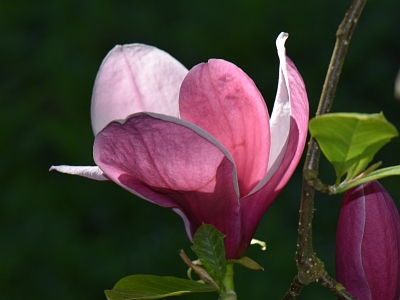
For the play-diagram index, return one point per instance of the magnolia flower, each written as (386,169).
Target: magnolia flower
(199,142)
(368,244)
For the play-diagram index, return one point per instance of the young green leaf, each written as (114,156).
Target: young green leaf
(154,287)
(375,175)
(359,166)
(350,140)
(208,244)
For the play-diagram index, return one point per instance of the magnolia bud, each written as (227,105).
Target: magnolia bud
(368,244)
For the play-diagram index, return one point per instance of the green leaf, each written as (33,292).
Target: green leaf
(154,287)
(248,263)
(350,140)
(375,175)
(208,244)
(359,166)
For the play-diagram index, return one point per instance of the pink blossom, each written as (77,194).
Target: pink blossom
(199,142)
(368,244)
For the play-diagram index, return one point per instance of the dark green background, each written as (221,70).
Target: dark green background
(66,237)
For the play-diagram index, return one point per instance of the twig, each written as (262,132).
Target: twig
(343,37)
(336,288)
(310,267)
(294,290)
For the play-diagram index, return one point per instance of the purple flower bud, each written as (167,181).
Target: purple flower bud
(368,244)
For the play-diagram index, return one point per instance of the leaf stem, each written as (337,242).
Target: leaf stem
(310,267)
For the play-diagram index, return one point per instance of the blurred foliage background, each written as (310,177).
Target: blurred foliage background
(66,237)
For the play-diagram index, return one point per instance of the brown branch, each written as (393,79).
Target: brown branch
(310,267)
(294,289)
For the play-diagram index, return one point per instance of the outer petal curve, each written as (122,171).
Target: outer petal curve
(255,205)
(134,78)
(220,98)
(174,164)
(291,106)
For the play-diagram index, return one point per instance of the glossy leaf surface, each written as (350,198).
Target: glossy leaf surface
(350,140)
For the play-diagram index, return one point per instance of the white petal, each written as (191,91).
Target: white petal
(280,117)
(90,172)
(289,119)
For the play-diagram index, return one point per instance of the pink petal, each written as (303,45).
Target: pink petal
(288,152)
(368,243)
(174,164)
(135,78)
(88,172)
(220,98)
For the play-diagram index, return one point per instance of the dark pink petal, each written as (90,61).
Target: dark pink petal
(291,97)
(135,78)
(174,164)
(220,98)
(349,237)
(368,243)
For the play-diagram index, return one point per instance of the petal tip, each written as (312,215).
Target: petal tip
(52,168)
(85,171)
(280,42)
